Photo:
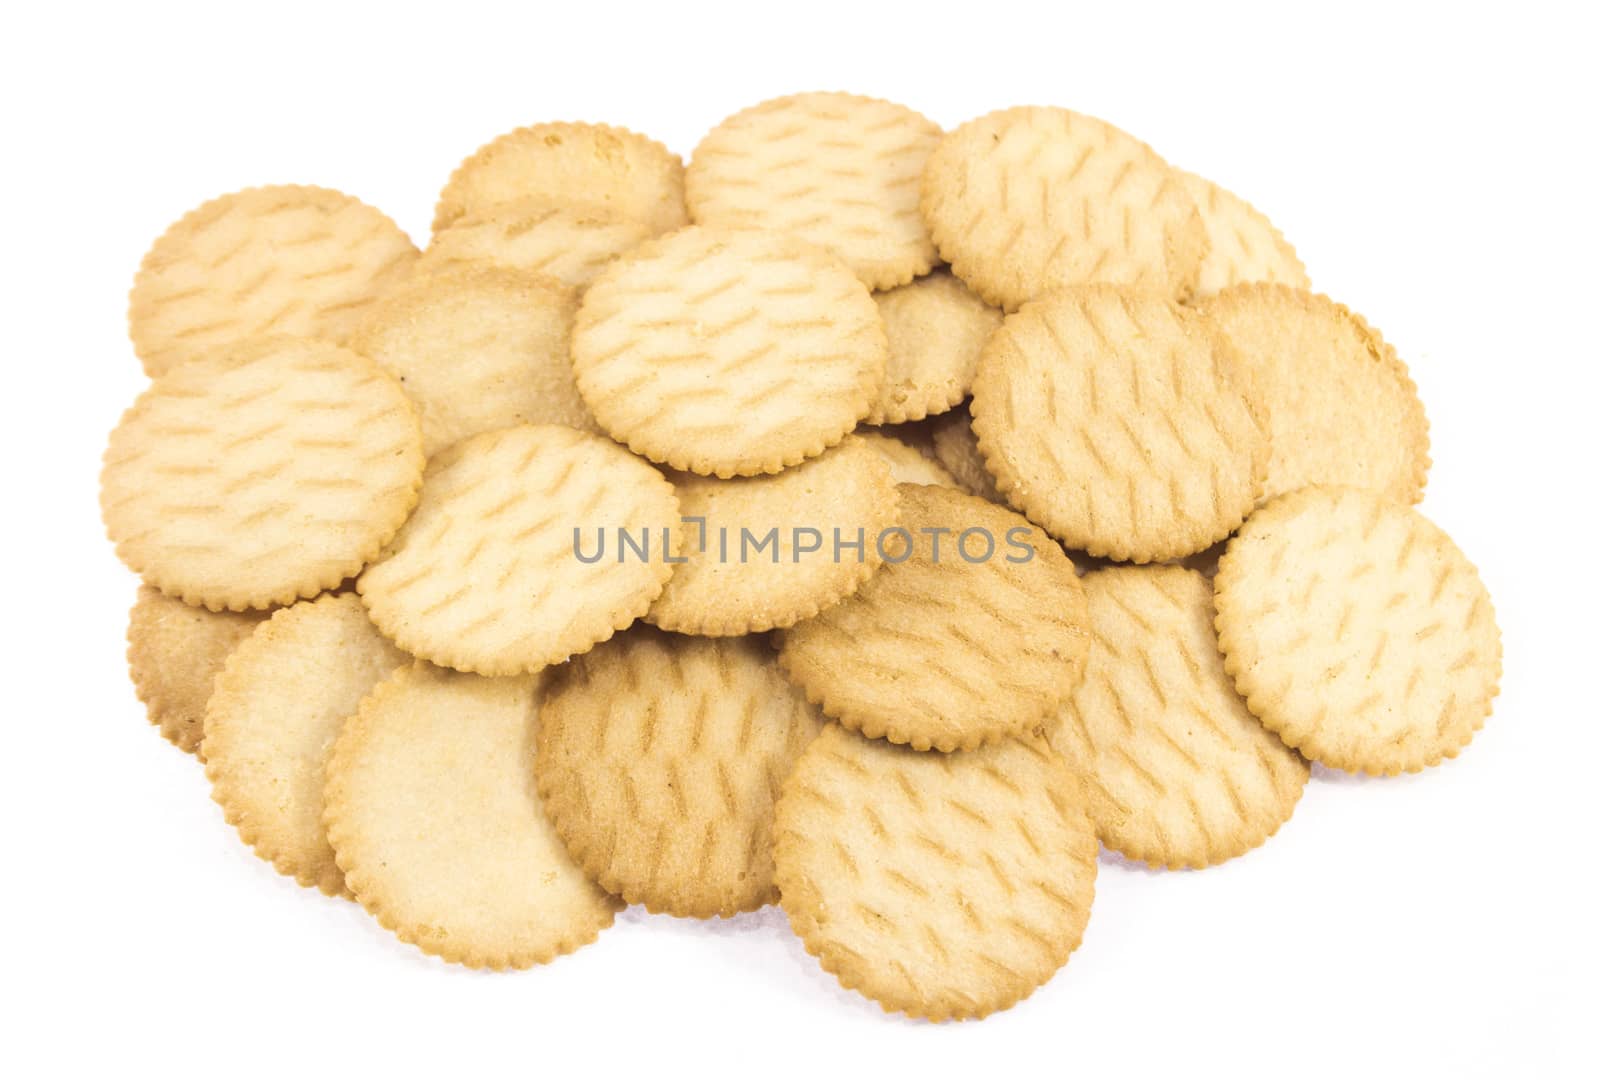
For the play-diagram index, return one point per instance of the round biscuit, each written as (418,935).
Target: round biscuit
(660,758)
(570,242)
(626,173)
(728,353)
(478,348)
(279,703)
(1241,244)
(486,574)
(936,328)
(736,582)
(1120,422)
(267,472)
(437,825)
(1340,405)
(944,886)
(303,261)
(837,170)
(1176,770)
(943,647)
(1028,199)
(1358,631)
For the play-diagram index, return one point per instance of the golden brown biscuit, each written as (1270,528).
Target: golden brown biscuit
(303,261)
(570,242)
(660,757)
(1241,244)
(945,886)
(936,328)
(956,448)
(1176,771)
(268,472)
(432,809)
(971,630)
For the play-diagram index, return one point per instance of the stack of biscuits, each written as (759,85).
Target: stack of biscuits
(867,518)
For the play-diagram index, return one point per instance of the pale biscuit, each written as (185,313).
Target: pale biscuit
(945,886)
(1341,406)
(944,647)
(570,242)
(174,653)
(1176,770)
(1241,244)
(956,448)
(624,172)
(1120,422)
(1357,630)
(263,473)
(478,348)
(486,575)
(728,353)
(1028,199)
(936,328)
(660,758)
(907,464)
(279,704)
(304,261)
(432,809)
(768,551)
(837,170)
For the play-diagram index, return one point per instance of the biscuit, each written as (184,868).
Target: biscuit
(570,242)
(1357,630)
(836,170)
(304,261)
(768,551)
(1176,770)
(1241,244)
(486,575)
(1028,199)
(263,473)
(907,464)
(951,644)
(936,328)
(1120,422)
(432,810)
(626,173)
(956,448)
(941,886)
(279,704)
(478,348)
(1340,405)
(728,353)
(660,758)
(174,653)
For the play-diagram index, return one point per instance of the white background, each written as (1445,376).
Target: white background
(1436,172)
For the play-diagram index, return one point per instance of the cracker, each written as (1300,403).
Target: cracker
(624,172)
(432,809)
(1176,770)
(267,472)
(478,348)
(1120,422)
(728,353)
(279,704)
(486,577)
(837,170)
(956,448)
(174,653)
(1241,244)
(907,464)
(941,647)
(660,758)
(1027,199)
(936,328)
(768,551)
(570,242)
(941,886)
(1341,406)
(304,261)
(1357,630)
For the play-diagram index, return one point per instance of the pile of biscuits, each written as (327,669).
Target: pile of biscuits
(867,518)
